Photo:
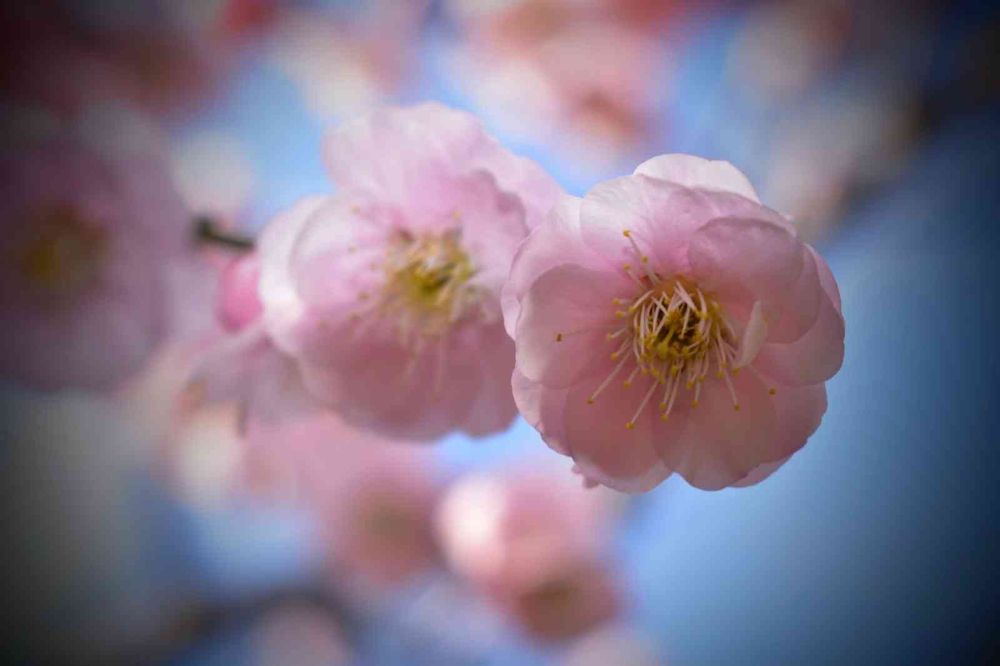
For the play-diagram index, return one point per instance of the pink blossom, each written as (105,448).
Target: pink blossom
(533,542)
(373,498)
(668,322)
(88,242)
(387,295)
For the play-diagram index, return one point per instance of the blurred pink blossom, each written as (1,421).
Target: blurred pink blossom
(522,62)
(346,63)
(670,322)
(373,498)
(89,240)
(533,541)
(161,55)
(387,295)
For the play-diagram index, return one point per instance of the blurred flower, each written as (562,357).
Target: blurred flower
(214,175)
(835,147)
(373,498)
(523,59)
(785,46)
(533,542)
(345,66)
(721,322)
(297,634)
(89,240)
(387,294)
(159,54)
(612,645)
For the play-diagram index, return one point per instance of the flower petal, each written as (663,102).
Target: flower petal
(556,241)
(813,358)
(691,171)
(564,320)
(720,445)
(601,445)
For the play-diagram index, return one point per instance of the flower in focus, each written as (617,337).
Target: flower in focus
(88,242)
(387,295)
(669,322)
(533,543)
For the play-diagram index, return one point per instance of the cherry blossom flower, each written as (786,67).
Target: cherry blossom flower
(89,238)
(533,542)
(387,295)
(669,322)
(373,498)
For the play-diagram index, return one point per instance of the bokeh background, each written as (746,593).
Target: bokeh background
(136,537)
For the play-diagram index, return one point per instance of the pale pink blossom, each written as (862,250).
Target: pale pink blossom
(669,322)
(533,541)
(88,242)
(387,295)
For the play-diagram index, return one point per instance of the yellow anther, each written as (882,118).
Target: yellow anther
(694,404)
(626,233)
(736,407)
(772,391)
(559,337)
(590,401)
(630,425)
(664,417)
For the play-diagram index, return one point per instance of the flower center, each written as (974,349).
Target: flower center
(62,256)
(426,285)
(673,333)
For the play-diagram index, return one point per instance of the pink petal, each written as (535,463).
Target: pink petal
(691,171)
(760,473)
(542,408)
(601,445)
(746,260)
(826,279)
(754,336)
(799,412)
(493,409)
(564,320)
(278,295)
(662,217)
(555,242)
(719,445)
(813,358)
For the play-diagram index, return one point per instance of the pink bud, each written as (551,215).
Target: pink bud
(237,303)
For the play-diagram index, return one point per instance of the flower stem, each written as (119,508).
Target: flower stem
(208,232)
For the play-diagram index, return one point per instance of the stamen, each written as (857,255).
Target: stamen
(607,380)
(642,405)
